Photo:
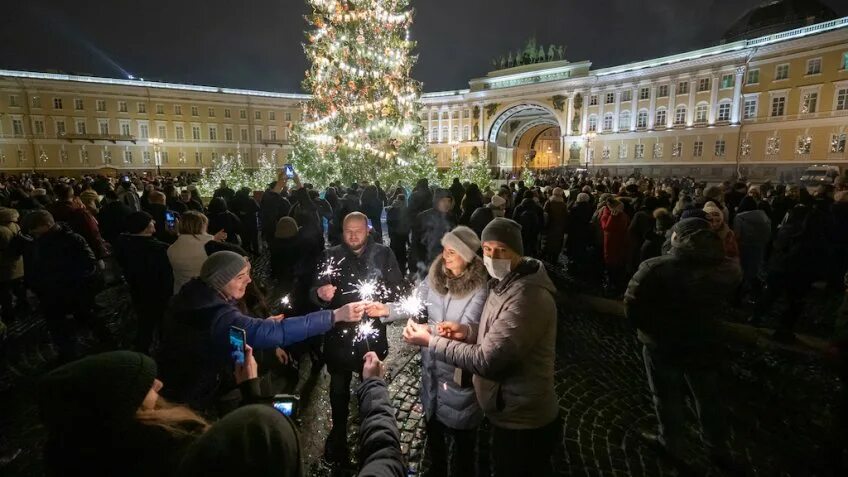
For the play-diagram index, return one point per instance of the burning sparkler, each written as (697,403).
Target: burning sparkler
(366,331)
(331,269)
(366,289)
(412,305)
(285,301)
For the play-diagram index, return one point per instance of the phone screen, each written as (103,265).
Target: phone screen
(370,225)
(237,341)
(286,404)
(170,220)
(289,169)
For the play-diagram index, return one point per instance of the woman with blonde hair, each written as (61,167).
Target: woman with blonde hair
(188,253)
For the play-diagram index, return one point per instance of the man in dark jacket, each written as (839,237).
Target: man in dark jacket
(111,217)
(427,231)
(225,193)
(357,260)
(195,349)
(674,301)
(147,270)
(247,210)
(274,205)
(489,212)
(398,223)
(165,231)
(420,200)
(62,271)
(530,215)
(457,192)
(78,218)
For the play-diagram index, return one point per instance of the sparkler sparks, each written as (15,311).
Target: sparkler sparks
(330,269)
(285,301)
(367,290)
(366,331)
(412,305)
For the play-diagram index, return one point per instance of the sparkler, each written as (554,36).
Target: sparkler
(366,289)
(366,331)
(285,301)
(412,305)
(331,269)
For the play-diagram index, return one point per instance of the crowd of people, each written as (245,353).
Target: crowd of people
(474,260)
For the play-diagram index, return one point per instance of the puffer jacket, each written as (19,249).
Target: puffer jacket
(446,391)
(753,232)
(675,300)
(511,352)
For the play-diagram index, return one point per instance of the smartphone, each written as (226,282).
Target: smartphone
(289,169)
(287,404)
(238,339)
(370,225)
(170,220)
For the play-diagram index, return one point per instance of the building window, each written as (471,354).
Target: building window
(844,64)
(257,115)
(778,106)
(38,127)
(750,110)
(809,102)
(79,105)
(195,111)
(720,146)
(726,81)
(805,143)
(660,118)
(228,134)
(125,129)
(644,93)
(80,126)
(466,132)
(273,134)
(228,113)
(781,72)
(180,133)
(198,158)
(243,135)
(608,118)
(676,149)
(701,113)
(211,112)
(178,110)
(122,106)
(272,115)
(639,151)
(142,108)
(57,103)
(683,87)
(36,101)
(60,128)
(610,98)
(128,156)
(680,116)
(626,95)
(698,149)
(814,66)
(455,133)
(724,112)
(18,127)
(104,128)
(622,151)
(745,147)
(658,150)
(773,146)
(662,91)
(163,132)
(163,157)
(258,135)
(466,114)
(703,85)
(434,135)
(160,109)
(837,143)
(842,99)
(642,120)
(593,123)
(13,100)
(195,133)
(213,134)
(593,100)
(624,121)
(288,116)
(243,113)
(753,77)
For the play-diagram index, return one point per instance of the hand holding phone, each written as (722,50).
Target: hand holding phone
(170,220)
(289,170)
(238,342)
(287,404)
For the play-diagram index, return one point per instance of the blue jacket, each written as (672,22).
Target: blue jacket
(194,348)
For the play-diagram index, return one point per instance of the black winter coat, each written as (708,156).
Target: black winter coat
(427,232)
(377,262)
(480,219)
(60,264)
(273,207)
(112,220)
(147,270)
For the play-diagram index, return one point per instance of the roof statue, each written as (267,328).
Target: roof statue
(532,52)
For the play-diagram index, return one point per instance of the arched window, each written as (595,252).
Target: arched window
(701,112)
(660,118)
(642,120)
(624,121)
(680,116)
(445,133)
(608,122)
(434,135)
(593,123)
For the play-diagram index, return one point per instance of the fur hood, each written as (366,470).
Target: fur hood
(474,277)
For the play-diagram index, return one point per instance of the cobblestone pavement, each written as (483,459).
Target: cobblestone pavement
(780,404)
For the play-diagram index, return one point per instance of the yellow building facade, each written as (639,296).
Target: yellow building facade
(762,107)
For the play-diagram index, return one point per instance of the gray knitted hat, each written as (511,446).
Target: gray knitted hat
(506,231)
(220,268)
(464,241)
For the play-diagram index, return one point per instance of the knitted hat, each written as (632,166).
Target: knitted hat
(136,222)
(8,215)
(687,227)
(464,241)
(506,231)
(286,228)
(498,201)
(220,268)
(583,197)
(693,213)
(711,208)
(104,388)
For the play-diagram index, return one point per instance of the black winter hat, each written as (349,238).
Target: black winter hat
(687,227)
(107,388)
(136,222)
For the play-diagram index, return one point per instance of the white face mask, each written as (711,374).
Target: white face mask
(498,268)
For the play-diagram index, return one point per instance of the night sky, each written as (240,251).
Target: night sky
(256,44)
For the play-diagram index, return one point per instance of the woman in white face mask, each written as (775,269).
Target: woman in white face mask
(454,292)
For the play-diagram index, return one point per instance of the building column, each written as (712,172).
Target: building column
(430,124)
(672,104)
(482,131)
(714,85)
(737,95)
(634,107)
(617,111)
(690,111)
(602,99)
(585,121)
(450,125)
(652,107)
(439,136)
(569,115)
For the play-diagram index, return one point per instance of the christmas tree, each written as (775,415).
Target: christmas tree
(362,122)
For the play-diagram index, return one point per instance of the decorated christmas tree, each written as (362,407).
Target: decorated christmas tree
(362,122)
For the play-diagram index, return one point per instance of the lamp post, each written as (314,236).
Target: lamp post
(157,144)
(589,138)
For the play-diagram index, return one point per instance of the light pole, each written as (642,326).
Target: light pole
(589,138)
(157,144)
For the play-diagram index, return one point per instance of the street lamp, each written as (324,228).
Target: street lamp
(157,144)
(589,138)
